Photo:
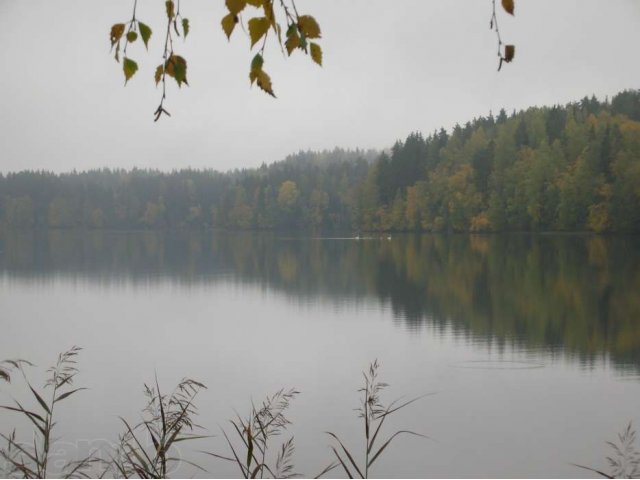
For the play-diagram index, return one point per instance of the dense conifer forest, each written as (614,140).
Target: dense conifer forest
(561,168)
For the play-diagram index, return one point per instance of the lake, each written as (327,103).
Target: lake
(530,343)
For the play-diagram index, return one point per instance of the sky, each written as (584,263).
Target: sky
(391,67)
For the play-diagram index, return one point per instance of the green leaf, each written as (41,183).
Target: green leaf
(309,27)
(185,26)
(176,67)
(116,33)
(257,62)
(132,36)
(258,75)
(228,24)
(145,33)
(129,67)
(258,27)
(508,6)
(293,39)
(316,53)
(171,9)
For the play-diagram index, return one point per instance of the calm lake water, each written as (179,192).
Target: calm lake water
(531,343)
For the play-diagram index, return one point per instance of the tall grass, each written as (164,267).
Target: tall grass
(168,420)
(373,413)
(258,443)
(624,461)
(31,459)
(147,449)
(252,437)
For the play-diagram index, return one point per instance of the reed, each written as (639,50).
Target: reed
(146,449)
(624,461)
(31,459)
(252,437)
(374,413)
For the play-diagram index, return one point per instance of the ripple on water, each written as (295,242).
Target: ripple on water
(499,365)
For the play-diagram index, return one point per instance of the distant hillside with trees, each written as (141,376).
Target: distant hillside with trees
(561,168)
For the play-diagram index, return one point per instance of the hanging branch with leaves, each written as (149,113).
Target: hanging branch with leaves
(508,53)
(302,33)
(301,29)
(173,65)
(134,29)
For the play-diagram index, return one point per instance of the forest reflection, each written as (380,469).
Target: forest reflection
(571,294)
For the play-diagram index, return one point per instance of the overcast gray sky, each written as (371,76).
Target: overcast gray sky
(390,67)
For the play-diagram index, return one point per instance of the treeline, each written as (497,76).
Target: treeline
(566,168)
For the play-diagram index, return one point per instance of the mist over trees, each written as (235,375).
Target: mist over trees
(565,168)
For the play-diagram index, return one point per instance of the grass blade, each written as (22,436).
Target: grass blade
(327,469)
(386,444)
(392,410)
(602,474)
(233,450)
(42,403)
(133,450)
(344,466)
(344,449)
(67,394)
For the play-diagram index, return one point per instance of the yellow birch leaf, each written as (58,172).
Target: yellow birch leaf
(316,53)
(508,6)
(236,6)
(293,39)
(258,27)
(170,9)
(116,33)
(264,82)
(509,52)
(228,24)
(309,27)
(267,6)
(158,75)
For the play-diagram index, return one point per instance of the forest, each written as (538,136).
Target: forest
(561,168)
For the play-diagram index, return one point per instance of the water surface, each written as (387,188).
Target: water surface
(531,342)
